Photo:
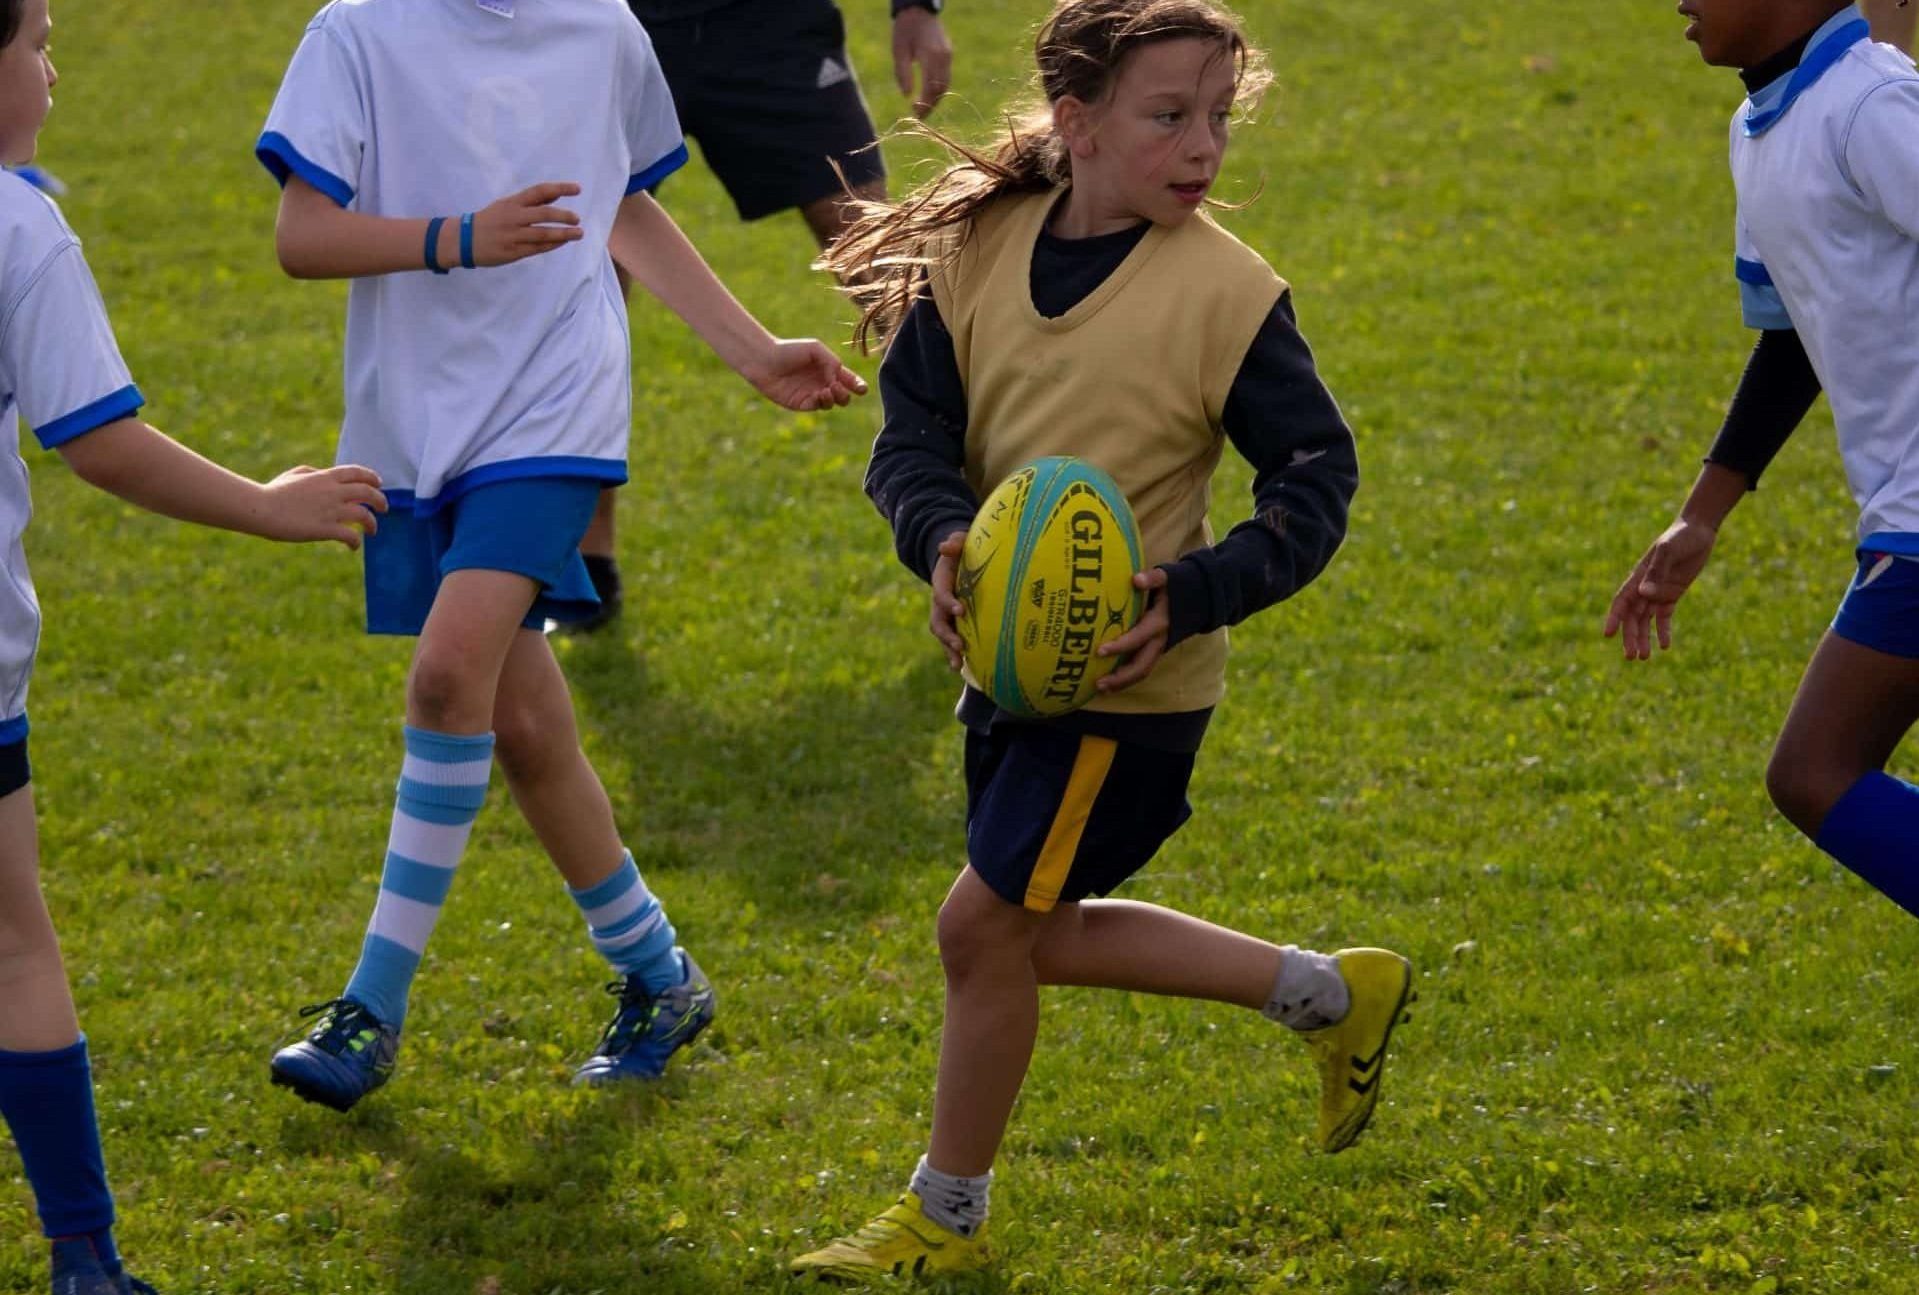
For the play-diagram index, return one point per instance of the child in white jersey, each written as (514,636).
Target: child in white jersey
(61,372)
(487,378)
(1825,158)
(1069,296)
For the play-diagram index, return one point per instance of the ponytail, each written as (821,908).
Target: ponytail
(884,257)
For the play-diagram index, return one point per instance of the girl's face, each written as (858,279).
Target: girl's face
(1153,148)
(26,83)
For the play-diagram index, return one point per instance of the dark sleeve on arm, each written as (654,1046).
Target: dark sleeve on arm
(1775,392)
(916,476)
(1281,417)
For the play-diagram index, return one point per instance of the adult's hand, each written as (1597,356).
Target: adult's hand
(919,38)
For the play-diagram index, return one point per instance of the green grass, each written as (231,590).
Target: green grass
(1661,1043)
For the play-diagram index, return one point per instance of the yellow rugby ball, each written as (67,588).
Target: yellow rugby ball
(1047,577)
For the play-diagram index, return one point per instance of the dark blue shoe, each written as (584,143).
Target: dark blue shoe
(77,1271)
(349,1054)
(649,1028)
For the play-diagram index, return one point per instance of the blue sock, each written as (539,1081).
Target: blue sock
(630,929)
(1874,830)
(47,1099)
(442,785)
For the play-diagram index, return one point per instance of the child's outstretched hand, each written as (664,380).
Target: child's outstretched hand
(324,504)
(1645,601)
(803,375)
(517,226)
(946,604)
(1145,643)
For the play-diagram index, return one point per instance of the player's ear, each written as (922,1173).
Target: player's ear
(1073,122)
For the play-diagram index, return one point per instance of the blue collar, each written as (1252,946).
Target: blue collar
(1829,44)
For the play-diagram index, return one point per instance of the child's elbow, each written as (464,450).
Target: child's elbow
(295,255)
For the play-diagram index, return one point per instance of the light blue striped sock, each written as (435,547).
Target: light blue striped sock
(630,929)
(442,785)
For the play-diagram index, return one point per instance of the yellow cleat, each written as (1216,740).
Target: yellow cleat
(1352,1053)
(902,1242)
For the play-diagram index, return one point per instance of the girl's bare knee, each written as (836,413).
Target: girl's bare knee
(440,690)
(978,930)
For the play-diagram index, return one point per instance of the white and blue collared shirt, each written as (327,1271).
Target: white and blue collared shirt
(61,371)
(1826,164)
(420,108)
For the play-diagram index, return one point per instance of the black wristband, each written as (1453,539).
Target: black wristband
(931,6)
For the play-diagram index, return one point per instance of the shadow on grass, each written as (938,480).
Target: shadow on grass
(808,810)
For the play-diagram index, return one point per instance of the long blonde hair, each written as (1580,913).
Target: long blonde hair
(883,257)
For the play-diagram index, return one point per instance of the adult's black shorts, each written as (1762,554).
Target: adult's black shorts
(765,89)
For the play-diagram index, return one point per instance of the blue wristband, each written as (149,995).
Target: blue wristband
(466,240)
(433,244)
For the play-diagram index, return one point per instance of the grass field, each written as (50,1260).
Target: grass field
(1659,1045)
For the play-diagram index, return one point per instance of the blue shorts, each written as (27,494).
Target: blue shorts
(15,772)
(1052,816)
(529,526)
(1881,609)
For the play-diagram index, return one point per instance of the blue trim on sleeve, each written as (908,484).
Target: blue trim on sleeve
(1904,543)
(278,156)
(1763,308)
(90,417)
(1752,272)
(610,471)
(13,730)
(652,175)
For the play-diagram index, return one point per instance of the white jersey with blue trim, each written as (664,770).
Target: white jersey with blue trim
(1826,164)
(60,371)
(422,108)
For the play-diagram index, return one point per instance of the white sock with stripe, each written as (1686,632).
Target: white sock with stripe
(1309,993)
(442,785)
(955,1203)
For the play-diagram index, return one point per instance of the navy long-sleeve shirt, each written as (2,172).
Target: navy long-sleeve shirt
(1278,415)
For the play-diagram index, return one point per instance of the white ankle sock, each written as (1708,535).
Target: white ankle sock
(956,1204)
(1309,993)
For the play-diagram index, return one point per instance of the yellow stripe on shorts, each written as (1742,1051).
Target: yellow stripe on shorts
(1075,807)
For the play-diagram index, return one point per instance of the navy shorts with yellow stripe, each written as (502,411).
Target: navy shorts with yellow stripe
(1053,817)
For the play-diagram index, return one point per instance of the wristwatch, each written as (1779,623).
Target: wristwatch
(931,6)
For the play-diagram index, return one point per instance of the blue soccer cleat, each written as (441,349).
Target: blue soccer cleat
(77,1271)
(649,1028)
(349,1054)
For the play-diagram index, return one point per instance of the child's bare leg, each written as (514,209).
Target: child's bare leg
(1827,770)
(599,538)
(992,1020)
(1852,708)
(38,1014)
(538,745)
(463,648)
(1120,944)
(665,994)
(449,756)
(46,1086)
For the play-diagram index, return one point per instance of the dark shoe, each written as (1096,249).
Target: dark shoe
(649,1028)
(348,1055)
